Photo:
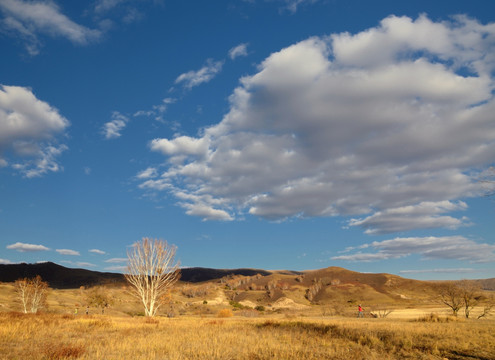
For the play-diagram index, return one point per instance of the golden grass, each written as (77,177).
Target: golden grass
(51,336)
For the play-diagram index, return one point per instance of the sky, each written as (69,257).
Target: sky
(270,134)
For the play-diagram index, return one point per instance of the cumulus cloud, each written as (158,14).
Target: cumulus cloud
(30,19)
(113,128)
(5,262)
(67,252)
(23,247)
(446,247)
(97,251)
(238,51)
(28,129)
(116,260)
(391,126)
(193,78)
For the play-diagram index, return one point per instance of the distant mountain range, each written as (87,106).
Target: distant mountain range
(60,277)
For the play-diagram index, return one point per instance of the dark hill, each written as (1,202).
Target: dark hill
(60,277)
(198,274)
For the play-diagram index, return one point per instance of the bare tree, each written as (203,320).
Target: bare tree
(471,295)
(32,293)
(151,272)
(451,295)
(487,308)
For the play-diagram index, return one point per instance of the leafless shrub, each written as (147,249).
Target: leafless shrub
(381,312)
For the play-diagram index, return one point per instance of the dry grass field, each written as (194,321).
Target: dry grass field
(284,315)
(59,336)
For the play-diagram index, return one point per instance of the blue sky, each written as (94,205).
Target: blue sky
(274,134)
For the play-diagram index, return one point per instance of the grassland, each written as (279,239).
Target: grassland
(286,325)
(59,336)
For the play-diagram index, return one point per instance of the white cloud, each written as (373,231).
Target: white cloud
(442,271)
(157,111)
(97,251)
(102,6)
(183,145)
(85,264)
(147,173)
(113,128)
(446,247)
(28,130)
(123,9)
(116,268)
(116,260)
(192,78)
(237,51)
(5,262)
(206,212)
(161,108)
(424,215)
(45,161)
(23,247)
(321,130)
(67,252)
(30,19)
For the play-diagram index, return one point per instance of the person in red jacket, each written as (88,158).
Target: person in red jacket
(360,311)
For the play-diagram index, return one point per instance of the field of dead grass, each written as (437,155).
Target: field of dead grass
(58,336)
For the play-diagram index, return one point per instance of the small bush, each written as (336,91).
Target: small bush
(435,318)
(249,313)
(236,305)
(224,313)
(260,308)
(151,320)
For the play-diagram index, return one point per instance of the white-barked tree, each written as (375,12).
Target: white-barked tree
(152,272)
